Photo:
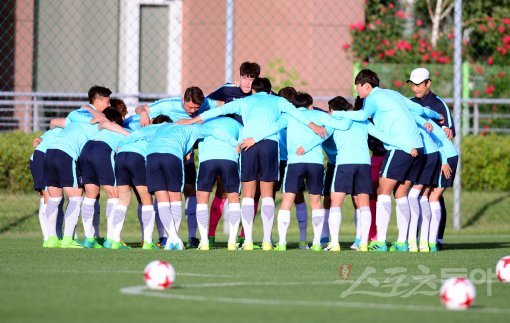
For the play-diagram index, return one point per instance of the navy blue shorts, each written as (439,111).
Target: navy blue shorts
(228,171)
(190,171)
(165,172)
(352,179)
(281,174)
(130,169)
(97,164)
(443,182)
(296,174)
(328,179)
(401,166)
(428,176)
(60,169)
(37,169)
(260,162)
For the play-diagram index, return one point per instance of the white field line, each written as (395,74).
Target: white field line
(143,291)
(128,272)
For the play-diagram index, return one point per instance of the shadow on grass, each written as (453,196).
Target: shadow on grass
(476,245)
(15,223)
(481,212)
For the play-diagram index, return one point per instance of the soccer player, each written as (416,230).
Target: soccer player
(391,113)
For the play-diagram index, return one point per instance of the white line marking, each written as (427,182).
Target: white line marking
(143,291)
(128,272)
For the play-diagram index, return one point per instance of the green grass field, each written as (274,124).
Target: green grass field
(57,285)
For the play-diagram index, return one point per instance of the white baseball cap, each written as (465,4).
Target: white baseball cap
(419,75)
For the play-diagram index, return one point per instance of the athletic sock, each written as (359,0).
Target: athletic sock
(51,215)
(190,209)
(365,217)
(442,224)
(203,220)
(247,213)
(414,205)
(317,223)
(403,217)
(267,217)
(435,219)
(176,212)
(216,212)
(234,217)
(383,216)
(60,219)
(111,204)
(373,227)
(42,218)
(325,226)
(87,216)
(71,215)
(159,224)
(119,215)
(283,225)
(140,219)
(425,218)
(302,218)
(147,217)
(335,219)
(96,221)
(165,214)
(357,224)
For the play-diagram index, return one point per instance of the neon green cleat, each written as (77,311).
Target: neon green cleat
(70,243)
(149,246)
(119,245)
(44,244)
(248,246)
(363,247)
(204,245)
(267,246)
(335,247)
(108,243)
(52,242)
(316,247)
(378,246)
(399,246)
(91,243)
(424,246)
(303,245)
(413,247)
(433,247)
(281,247)
(231,246)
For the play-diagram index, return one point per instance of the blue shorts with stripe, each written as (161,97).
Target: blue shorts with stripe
(130,169)
(448,182)
(401,166)
(428,176)
(97,163)
(328,179)
(165,172)
(37,170)
(227,170)
(352,179)
(260,162)
(60,169)
(296,174)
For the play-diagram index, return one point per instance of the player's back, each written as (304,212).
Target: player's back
(260,110)
(352,144)
(213,148)
(76,134)
(299,134)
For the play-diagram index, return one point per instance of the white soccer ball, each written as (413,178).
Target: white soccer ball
(503,269)
(458,293)
(159,274)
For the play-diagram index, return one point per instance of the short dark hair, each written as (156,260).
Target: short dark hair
(161,119)
(358,103)
(302,99)
(113,115)
(339,103)
(96,91)
(250,69)
(119,105)
(194,94)
(288,93)
(367,76)
(261,84)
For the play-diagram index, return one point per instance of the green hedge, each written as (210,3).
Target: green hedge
(486,162)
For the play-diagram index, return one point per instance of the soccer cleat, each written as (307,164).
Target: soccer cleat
(316,247)
(248,246)
(240,240)
(266,246)
(212,240)
(399,246)
(363,247)
(424,246)
(162,242)
(45,243)
(303,245)
(70,243)
(413,247)
(149,246)
(119,245)
(335,247)
(324,241)
(433,247)
(355,245)
(174,245)
(232,246)
(378,246)
(52,242)
(193,243)
(91,243)
(280,247)
(204,245)
(108,243)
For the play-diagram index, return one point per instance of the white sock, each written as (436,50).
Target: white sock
(147,216)
(283,221)
(202,215)
(97,219)
(335,219)
(234,218)
(247,214)
(111,204)
(51,215)
(414,205)
(190,208)
(383,214)
(87,216)
(165,214)
(71,216)
(317,223)
(325,226)
(159,224)
(119,215)
(403,217)
(365,220)
(267,215)
(357,224)
(176,211)
(302,218)
(42,218)
(435,220)
(425,219)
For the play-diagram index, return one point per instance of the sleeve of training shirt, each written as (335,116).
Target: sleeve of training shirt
(289,108)
(335,123)
(233,107)
(271,130)
(438,136)
(419,110)
(445,111)
(374,132)
(369,107)
(202,131)
(317,140)
(80,115)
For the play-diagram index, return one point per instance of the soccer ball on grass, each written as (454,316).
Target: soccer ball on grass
(458,293)
(503,269)
(159,274)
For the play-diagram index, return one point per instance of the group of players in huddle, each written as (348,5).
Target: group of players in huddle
(254,141)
